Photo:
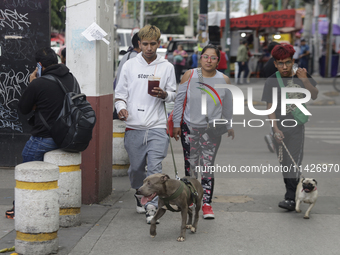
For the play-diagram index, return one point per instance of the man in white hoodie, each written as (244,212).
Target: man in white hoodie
(145,139)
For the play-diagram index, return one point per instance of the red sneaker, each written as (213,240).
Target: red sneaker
(208,212)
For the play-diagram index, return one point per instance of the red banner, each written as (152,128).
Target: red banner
(284,18)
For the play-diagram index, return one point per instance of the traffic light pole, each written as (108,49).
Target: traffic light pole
(203,24)
(226,36)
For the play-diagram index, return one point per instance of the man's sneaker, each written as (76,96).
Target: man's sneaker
(287,204)
(270,142)
(150,212)
(208,212)
(140,207)
(10,214)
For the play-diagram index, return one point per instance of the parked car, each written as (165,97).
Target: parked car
(124,41)
(161,51)
(188,45)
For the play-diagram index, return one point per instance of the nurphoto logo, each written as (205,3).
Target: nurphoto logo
(238,104)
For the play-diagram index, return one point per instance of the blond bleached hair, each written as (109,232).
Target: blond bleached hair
(149,32)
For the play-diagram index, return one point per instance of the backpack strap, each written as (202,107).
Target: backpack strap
(44,121)
(52,78)
(128,57)
(75,88)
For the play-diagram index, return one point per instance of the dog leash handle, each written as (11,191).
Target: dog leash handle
(172,151)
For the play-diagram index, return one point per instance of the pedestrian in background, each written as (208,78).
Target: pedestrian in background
(131,53)
(179,61)
(63,56)
(304,54)
(199,148)
(194,59)
(146,140)
(269,68)
(242,61)
(222,64)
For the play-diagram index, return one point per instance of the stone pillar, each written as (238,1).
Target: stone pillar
(120,158)
(69,185)
(36,208)
(92,64)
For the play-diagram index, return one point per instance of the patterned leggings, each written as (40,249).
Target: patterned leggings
(199,152)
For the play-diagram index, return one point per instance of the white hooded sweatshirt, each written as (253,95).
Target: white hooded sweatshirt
(145,111)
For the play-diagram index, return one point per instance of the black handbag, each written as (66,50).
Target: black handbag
(218,130)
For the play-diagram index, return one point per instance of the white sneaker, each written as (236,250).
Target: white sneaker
(140,207)
(150,212)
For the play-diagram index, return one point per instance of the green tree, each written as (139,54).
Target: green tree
(58,14)
(268,4)
(171,24)
(235,6)
(167,24)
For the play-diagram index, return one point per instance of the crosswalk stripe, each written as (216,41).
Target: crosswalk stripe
(321,128)
(324,136)
(323,133)
(329,135)
(331,141)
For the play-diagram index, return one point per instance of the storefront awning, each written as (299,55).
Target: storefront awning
(277,19)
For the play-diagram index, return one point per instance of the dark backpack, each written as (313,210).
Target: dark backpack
(72,130)
(190,62)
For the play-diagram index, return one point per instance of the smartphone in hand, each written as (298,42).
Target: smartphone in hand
(39,70)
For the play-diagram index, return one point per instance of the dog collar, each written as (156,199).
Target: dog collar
(174,195)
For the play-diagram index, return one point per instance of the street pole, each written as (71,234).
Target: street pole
(134,13)
(316,54)
(329,42)
(141,21)
(249,8)
(203,24)
(192,15)
(226,35)
(307,25)
(296,4)
(189,29)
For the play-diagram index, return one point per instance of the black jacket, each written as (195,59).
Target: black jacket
(47,96)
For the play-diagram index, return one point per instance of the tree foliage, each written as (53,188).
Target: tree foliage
(168,24)
(268,4)
(171,24)
(235,6)
(58,14)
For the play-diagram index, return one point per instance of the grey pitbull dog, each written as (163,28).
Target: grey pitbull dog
(176,194)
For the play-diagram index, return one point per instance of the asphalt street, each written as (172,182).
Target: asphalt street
(248,220)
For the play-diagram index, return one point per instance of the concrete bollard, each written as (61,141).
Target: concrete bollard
(69,185)
(36,208)
(120,158)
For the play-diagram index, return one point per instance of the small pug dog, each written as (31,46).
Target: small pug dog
(306,191)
